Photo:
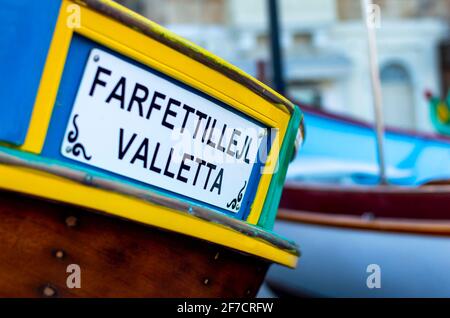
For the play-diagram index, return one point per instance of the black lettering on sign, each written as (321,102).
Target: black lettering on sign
(218,182)
(166,169)
(211,168)
(97,80)
(153,167)
(183,167)
(135,99)
(153,104)
(210,142)
(246,160)
(206,129)
(141,153)
(120,97)
(200,116)
(123,152)
(245,148)
(170,112)
(200,163)
(189,110)
(233,142)
(219,144)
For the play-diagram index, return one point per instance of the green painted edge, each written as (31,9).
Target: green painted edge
(30,157)
(269,211)
(270,208)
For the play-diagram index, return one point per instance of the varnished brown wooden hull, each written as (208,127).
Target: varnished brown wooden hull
(118,258)
(423,203)
(344,229)
(422,210)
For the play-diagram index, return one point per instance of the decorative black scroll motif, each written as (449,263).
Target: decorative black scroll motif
(235,204)
(77,148)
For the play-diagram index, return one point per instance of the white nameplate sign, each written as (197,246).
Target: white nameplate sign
(132,122)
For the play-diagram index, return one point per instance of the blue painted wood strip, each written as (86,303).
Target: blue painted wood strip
(27,29)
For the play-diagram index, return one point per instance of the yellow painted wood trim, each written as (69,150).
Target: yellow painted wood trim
(183,77)
(152,29)
(49,84)
(42,184)
(266,177)
(152,53)
(268,114)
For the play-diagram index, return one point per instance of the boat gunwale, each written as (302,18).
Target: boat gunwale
(378,189)
(345,119)
(199,212)
(160,34)
(353,222)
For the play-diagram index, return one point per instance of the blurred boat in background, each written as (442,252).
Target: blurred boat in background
(77,218)
(341,150)
(344,220)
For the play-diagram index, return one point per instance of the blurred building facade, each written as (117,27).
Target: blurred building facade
(325,48)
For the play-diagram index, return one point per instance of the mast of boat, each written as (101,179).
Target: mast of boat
(275,48)
(371,14)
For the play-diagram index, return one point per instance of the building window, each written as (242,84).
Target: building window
(302,39)
(398,97)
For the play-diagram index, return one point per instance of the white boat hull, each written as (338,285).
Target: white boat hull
(334,263)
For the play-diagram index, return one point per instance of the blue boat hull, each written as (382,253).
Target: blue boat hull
(339,150)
